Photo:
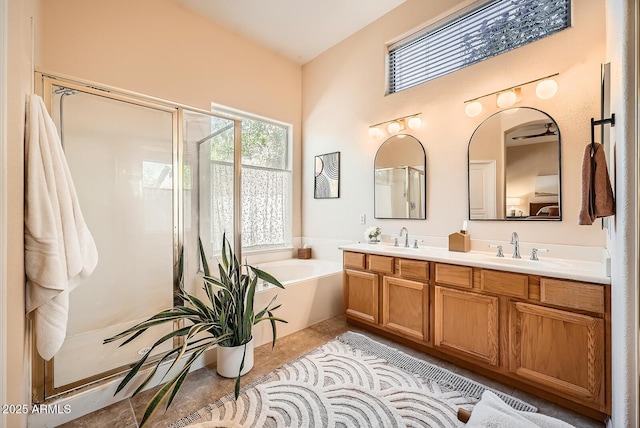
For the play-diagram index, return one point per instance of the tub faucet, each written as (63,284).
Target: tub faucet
(406,236)
(516,243)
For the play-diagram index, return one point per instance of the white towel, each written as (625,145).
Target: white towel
(492,412)
(59,249)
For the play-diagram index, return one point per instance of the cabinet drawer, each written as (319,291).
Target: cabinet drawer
(510,284)
(460,276)
(415,269)
(382,264)
(354,260)
(576,295)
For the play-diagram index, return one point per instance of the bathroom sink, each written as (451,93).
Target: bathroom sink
(522,262)
(579,270)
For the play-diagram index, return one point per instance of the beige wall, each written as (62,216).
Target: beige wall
(351,75)
(158,48)
(19,77)
(622,52)
(150,46)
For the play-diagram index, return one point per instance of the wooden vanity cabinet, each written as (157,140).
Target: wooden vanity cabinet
(391,293)
(361,290)
(467,323)
(547,336)
(405,307)
(559,350)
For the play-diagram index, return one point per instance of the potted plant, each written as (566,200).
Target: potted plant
(225,319)
(372,234)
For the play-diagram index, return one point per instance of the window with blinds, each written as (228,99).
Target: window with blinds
(472,36)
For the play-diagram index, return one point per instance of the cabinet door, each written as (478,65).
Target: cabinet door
(361,295)
(405,307)
(558,349)
(467,323)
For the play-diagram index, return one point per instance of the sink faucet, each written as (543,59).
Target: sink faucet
(406,236)
(516,242)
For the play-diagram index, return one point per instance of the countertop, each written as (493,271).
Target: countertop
(557,268)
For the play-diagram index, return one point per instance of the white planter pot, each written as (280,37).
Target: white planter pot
(230,358)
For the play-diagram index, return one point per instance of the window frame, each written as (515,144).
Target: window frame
(448,18)
(241,115)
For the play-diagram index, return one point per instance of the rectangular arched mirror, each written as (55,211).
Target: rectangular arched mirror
(514,167)
(400,183)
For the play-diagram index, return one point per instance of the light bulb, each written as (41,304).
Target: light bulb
(507,98)
(415,122)
(473,109)
(546,89)
(375,132)
(393,127)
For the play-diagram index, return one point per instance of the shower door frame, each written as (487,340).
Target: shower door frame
(42,384)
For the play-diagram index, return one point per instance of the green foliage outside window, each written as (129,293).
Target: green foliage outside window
(263,144)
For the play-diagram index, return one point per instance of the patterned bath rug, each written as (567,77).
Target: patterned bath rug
(352,381)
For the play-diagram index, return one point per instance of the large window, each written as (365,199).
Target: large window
(265,184)
(471,36)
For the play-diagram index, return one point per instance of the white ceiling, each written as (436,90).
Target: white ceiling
(297,29)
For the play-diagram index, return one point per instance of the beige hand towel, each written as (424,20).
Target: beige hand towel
(59,249)
(597,196)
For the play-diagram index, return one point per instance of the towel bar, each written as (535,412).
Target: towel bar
(594,123)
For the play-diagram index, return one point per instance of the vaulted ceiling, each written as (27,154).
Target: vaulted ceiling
(297,29)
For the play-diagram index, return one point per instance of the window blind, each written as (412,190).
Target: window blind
(489,30)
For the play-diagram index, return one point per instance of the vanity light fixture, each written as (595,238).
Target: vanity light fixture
(412,121)
(415,122)
(508,98)
(473,109)
(546,88)
(375,132)
(395,127)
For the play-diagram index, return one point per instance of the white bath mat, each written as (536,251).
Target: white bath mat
(352,381)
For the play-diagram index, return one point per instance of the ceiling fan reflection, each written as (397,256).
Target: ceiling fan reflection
(546,133)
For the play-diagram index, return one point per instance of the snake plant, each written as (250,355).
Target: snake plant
(225,318)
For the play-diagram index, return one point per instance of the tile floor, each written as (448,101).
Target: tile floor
(204,386)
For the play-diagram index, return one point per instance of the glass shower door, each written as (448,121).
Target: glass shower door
(122,157)
(209,189)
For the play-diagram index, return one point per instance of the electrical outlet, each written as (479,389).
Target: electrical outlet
(363,219)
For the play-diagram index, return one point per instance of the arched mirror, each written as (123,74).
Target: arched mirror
(400,183)
(514,167)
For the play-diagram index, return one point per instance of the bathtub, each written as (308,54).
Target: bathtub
(312,293)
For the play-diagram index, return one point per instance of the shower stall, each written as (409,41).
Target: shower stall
(140,166)
(399,192)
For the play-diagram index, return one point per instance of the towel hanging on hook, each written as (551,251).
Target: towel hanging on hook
(597,195)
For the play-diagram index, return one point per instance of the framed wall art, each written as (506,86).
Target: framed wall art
(327,176)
